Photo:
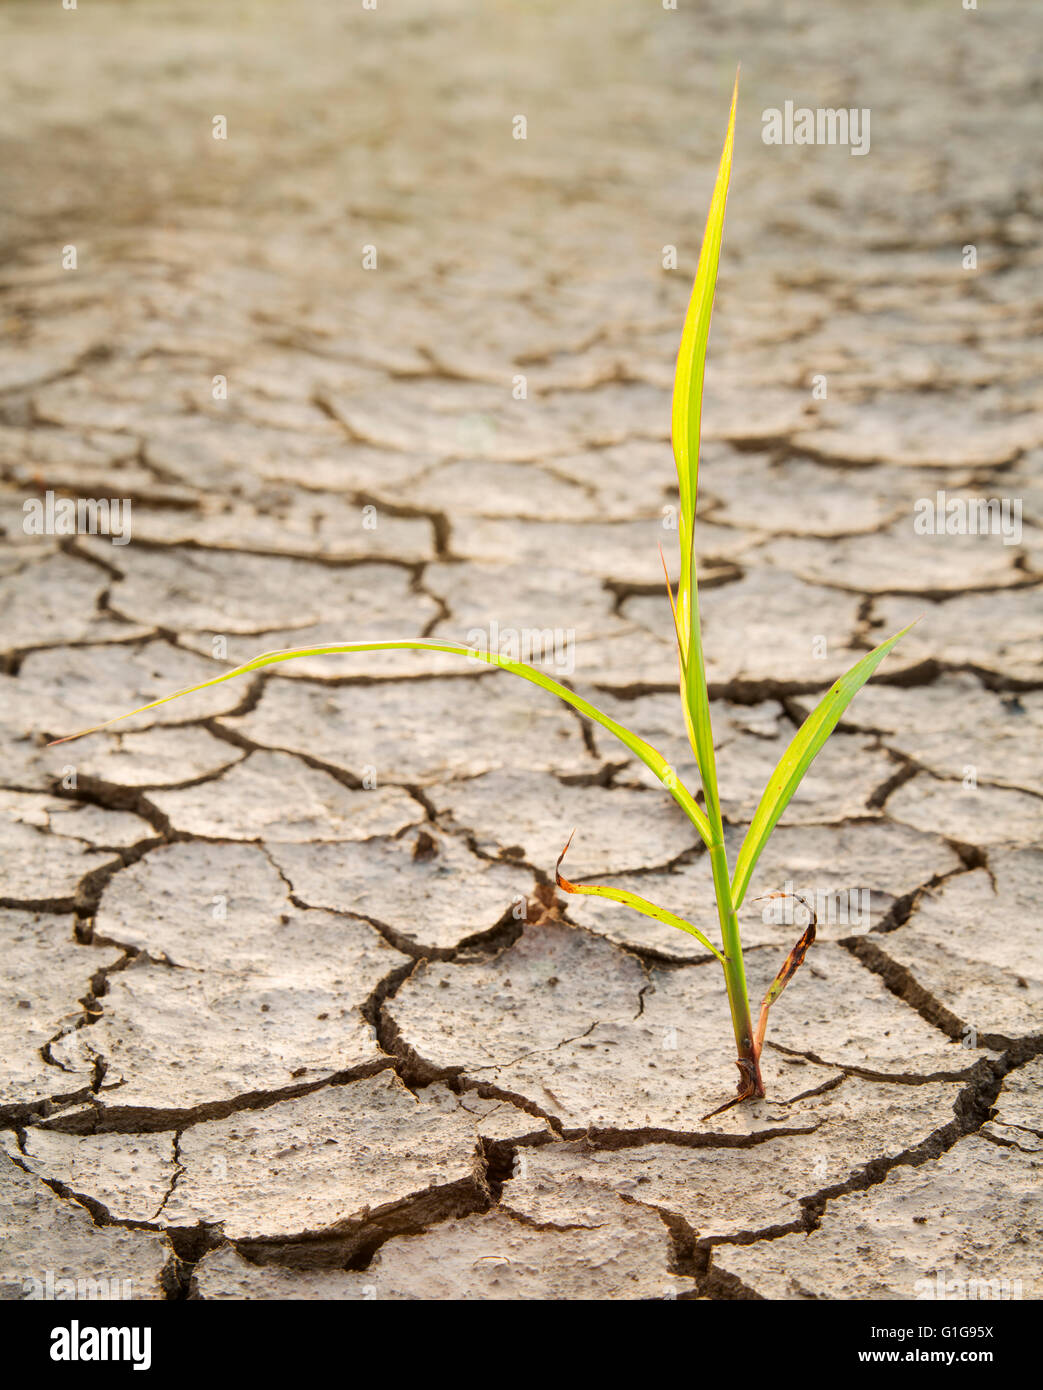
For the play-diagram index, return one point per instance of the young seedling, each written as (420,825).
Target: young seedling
(730,885)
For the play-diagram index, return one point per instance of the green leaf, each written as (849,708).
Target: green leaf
(697,715)
(798,757)
(687,414)
(650,756)
(642,905)
(688,377)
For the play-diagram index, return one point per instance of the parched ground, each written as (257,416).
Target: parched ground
(288,1007)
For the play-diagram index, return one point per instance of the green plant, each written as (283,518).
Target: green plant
(729,886)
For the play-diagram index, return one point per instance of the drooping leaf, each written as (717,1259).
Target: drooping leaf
(650,756)
(642,905)
(787,970)
(798,757)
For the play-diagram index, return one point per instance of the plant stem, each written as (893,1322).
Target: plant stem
(735,973)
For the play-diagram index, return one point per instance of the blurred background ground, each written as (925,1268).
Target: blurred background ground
(372,366)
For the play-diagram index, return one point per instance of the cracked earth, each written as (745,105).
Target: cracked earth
(289,1007)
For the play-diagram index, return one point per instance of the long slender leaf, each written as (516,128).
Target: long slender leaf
(650,756)
(798,757)
(687,416)
(642,905)
(688,377)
